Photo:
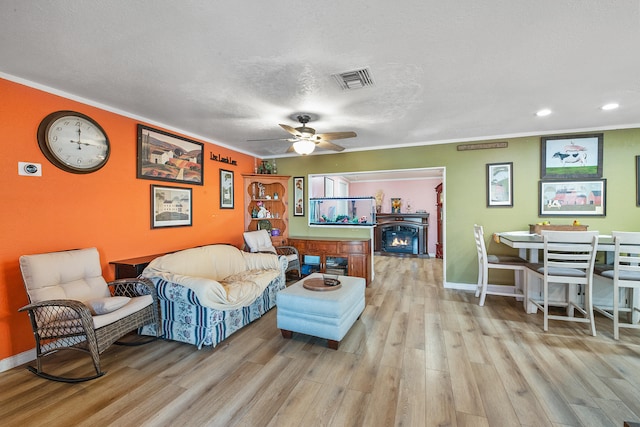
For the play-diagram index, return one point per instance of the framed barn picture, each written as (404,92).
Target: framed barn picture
(573,198)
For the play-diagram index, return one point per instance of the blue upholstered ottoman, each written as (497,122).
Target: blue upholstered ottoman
(323,314)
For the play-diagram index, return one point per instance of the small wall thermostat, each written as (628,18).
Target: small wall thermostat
(29,169)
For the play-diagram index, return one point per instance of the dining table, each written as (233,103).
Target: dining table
(530,244)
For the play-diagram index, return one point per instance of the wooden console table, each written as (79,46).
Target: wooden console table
(353,256)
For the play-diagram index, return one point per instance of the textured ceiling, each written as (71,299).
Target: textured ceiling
(229,71)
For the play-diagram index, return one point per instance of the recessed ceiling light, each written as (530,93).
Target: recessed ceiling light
(611,106)
(543,112)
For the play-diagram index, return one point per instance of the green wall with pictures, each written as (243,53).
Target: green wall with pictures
(465,190)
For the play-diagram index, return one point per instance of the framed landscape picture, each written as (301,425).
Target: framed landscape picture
(571,157)
(573,198)
(499,184)
(166,157)
(170,206)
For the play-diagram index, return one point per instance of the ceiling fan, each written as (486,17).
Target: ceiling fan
(305,138)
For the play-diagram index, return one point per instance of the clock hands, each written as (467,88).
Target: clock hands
(80,142)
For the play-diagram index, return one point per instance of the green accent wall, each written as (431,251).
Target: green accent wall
(465,190)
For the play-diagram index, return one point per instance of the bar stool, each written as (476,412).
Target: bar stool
(569,258)
(498,262)
(625,277)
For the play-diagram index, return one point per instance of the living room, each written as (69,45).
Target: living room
(111,208)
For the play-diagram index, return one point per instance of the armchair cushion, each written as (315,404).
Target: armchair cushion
(258,241)
(107,305)
(75,275)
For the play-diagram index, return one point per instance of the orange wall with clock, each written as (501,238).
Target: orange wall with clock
(108,209)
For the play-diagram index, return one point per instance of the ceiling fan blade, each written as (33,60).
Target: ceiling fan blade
(290,149)
(335,135)
(329,145)
(272,139)
(292,131)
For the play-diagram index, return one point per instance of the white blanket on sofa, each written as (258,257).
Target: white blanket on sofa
(221,276)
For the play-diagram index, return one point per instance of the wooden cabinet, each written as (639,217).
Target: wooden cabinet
(347,257)
(439,206)
(270,193)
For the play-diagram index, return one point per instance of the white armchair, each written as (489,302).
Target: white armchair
(72,307)
(260,241)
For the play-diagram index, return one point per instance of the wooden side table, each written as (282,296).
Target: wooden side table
(132,267)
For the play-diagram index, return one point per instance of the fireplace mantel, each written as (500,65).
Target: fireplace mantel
(387,221)
(382,218)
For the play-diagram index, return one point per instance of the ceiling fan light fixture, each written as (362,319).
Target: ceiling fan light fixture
(304,147)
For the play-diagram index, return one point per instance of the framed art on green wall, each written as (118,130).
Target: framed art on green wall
(500,184)
(637,180)
(571,156)
(573,198)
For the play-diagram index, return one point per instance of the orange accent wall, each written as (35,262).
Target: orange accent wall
(108,209)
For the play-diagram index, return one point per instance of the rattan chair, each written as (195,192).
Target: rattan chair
(260,241)
(624,275)
(72,307)
(498,262)
(569,260)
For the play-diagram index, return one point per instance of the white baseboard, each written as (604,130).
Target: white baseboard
(461,286)
(17,360)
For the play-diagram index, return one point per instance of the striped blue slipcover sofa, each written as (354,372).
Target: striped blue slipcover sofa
(208,293)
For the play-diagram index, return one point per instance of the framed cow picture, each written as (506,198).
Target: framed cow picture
(571,157)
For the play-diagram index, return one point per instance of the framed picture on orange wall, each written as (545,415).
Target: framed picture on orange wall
(166,157)
(170,206)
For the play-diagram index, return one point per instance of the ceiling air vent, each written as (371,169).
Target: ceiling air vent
(354,79)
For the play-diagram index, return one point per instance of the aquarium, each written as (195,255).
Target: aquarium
(354,211)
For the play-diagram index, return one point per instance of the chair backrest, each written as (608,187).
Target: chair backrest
(627,256)
(481,248)
(75,274)
(258,241)
(570,254)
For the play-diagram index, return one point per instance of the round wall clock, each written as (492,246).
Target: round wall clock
(73,142)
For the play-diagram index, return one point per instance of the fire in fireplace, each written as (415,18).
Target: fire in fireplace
(402,241)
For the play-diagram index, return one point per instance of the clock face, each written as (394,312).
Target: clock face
(73,142)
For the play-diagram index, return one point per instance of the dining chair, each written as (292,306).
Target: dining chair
(568,262)
(498,262)
(625,277)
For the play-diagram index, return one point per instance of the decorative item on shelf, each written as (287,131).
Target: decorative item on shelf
(264,225)
(379,198)
(275,196)
(274,169)
(396,204)
(253,190)
(261,190)
(275,232)
(254,212)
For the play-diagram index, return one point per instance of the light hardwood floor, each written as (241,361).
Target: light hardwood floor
(420,355)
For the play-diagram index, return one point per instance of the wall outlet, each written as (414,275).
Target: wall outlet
(29,169)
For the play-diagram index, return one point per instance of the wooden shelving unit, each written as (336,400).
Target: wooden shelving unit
(274,198)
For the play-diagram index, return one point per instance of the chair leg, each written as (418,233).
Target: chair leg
(588,306)
(479,287)
(485,285)
(616,312)
(545,305)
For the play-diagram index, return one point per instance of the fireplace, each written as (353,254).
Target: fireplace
(400,239)
(401,234)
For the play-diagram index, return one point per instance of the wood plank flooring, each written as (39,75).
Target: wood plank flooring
(420,355)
